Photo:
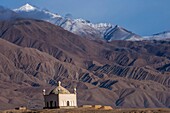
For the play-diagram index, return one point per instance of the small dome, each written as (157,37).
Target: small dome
(59,90)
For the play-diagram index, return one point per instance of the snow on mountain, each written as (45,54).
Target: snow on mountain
(80,27)
(100,26)
(84,28)
(159,36)
(119,33)
(29,11)
(27,7)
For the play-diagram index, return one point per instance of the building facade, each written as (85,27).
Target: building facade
(60,97)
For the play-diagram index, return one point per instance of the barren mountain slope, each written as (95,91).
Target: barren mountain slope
(25,72)
(119,73)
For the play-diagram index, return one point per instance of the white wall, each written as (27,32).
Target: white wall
(61,100)
(64,98)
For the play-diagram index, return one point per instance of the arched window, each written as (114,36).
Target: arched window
(68,103)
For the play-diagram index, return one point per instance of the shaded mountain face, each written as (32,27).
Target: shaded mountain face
(80,27)
(119,73)
(7,14)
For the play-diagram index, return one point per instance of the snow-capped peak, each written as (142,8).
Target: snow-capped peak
(27,7)
(79,26)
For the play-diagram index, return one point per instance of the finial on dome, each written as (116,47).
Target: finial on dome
(43,91)
(59,83)
(75,90)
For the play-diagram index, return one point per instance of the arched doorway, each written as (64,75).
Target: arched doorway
(68,103)
(51,104)
(47,105)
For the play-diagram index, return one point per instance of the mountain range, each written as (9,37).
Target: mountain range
(35,54)
(83,28)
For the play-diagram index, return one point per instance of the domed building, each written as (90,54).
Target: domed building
(60,97)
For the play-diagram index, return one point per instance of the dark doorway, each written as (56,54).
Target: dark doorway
(68,103)
(51,104)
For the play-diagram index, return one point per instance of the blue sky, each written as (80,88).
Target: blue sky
(144,17)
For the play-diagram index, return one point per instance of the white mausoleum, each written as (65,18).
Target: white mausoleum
(60,97)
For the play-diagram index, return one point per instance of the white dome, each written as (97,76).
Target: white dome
(59,90)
